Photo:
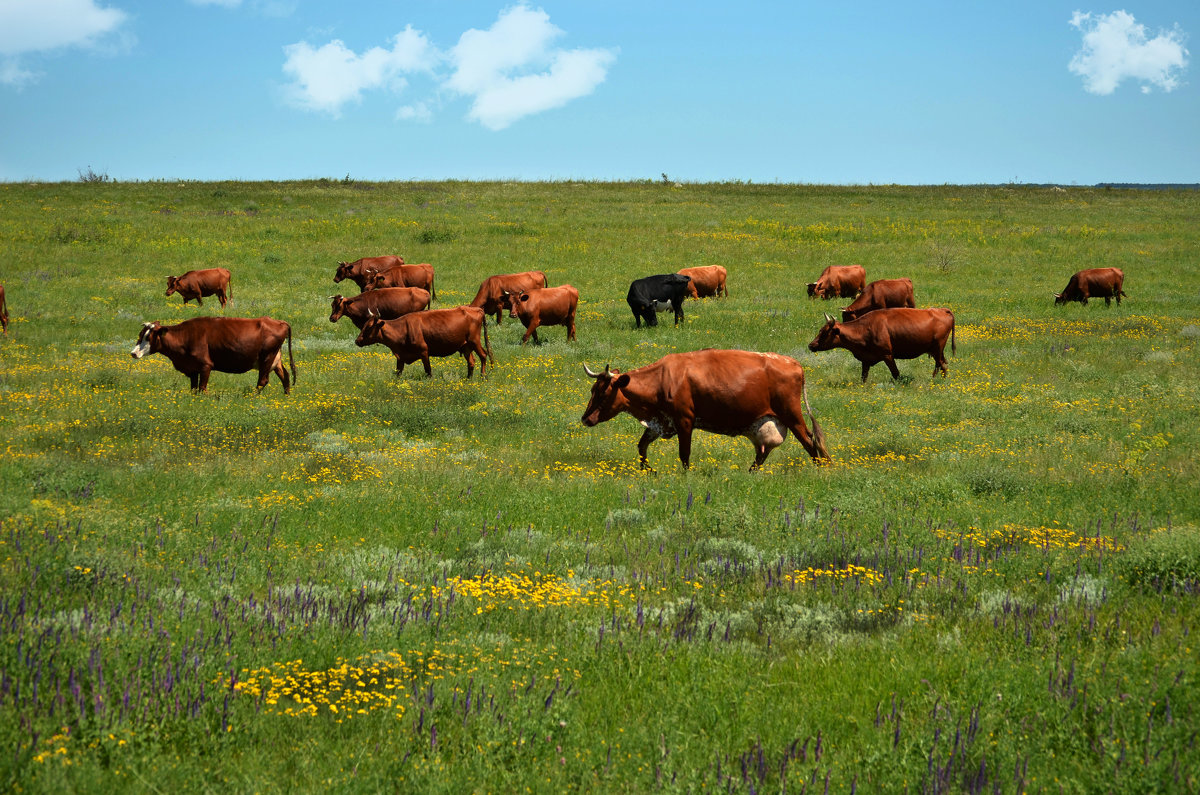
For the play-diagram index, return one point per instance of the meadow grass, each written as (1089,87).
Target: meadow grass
(411,584)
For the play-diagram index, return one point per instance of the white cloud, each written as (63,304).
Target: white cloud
(327,77)
(31,26)
(571,75)
(1116,48)
(510,71)
(226,3)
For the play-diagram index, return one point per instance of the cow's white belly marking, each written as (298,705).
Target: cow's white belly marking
(659,426)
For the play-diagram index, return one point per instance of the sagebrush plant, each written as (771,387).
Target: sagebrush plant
(447,584)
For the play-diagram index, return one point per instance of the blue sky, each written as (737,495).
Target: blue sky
(840,93)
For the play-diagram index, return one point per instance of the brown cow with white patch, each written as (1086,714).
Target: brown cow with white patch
(3,310)
(198,346)
(839,281)
(401,276)
(357,271)
(492,297)
(886,335)
(733,393)
(438,332)
(549,306)
(881,294)
(196,284)
(389,303)
(706,280)
(1103,283)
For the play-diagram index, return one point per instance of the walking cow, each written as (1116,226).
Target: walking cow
(194,285)
(733,393)
(645,294)
(886,335)
(198,346)
(438,332)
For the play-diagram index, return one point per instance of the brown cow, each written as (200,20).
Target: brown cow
(548,306)
(357,271)
(3,310)
(733,393)
(389,303)
(438,332)
(492,296)
(402,276)
(706,280)
(839,281)
(881,294)
(1103,283)
(886,335)
(198,346)
(195,284)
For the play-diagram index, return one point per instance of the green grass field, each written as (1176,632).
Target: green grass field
(411,584)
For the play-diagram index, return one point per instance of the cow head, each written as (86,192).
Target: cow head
(372,278)
(513,301)
(372,331)
(848,314)
(147,341)
(812,289)
(828,337)
(172,285)
(606,401)
(343,272)
(338,309)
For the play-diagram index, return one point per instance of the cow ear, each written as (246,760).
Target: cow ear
(622,381)
(524,296)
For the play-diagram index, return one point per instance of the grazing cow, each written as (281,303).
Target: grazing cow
(839,281)
(402,276)
(357,271)
(195,284)
(548,306)
(389,303)
(706,280)
(645,294)
(438,332)
(198,346)
(1103,283)
(886,335)
(493,293)
(881,294)
(3,310)
(733,393)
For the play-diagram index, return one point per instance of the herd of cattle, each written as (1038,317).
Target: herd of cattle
(730,392)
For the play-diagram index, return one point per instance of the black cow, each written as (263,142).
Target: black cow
(644,293)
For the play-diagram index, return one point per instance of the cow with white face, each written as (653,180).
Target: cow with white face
(198,346)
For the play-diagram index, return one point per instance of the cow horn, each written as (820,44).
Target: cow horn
(829,318)
(591,374)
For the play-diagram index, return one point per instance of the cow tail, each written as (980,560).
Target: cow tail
(953,347)
(487,343)
(291,360)
(818,435)
(432,291)
(229,289)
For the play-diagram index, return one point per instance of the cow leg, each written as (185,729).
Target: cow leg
(1108,300)
(866,369)
(222,298)
(195,378)
(399,366)
(571,327)
(891,363)
(530,330)
(429,370)
(685,441)
(199,301)
(648,436)
(204,374)
(678,312)
(470,357)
